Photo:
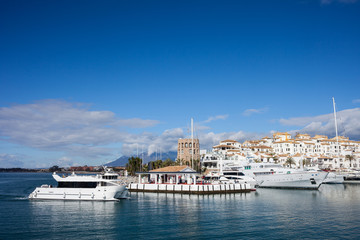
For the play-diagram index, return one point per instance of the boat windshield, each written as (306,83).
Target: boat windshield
(77,184)
(110,177)
(234,173)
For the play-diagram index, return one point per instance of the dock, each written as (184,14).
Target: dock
(190,188)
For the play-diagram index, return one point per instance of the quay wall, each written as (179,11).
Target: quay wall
(190,189)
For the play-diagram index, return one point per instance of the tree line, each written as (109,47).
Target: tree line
(135,165)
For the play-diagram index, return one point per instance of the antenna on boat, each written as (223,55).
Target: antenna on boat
(192,143)
(336,129)
(142,157)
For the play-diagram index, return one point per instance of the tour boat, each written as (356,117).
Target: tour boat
(100,187)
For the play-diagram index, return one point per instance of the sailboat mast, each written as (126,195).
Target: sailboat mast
(336,130)
(192,143)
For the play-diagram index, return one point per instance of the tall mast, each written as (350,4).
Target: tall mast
(192,143)
(336,130)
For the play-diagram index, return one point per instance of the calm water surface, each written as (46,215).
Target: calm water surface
(332,212)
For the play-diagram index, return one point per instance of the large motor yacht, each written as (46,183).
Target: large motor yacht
(270,175)
(100,187)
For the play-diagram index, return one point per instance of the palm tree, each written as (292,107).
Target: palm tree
(274,157)
(168,162)
(289,161)
(349,158)
(306,162)
(133,165)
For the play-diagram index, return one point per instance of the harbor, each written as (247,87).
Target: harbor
(311,214)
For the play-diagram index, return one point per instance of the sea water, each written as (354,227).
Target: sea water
(332,212)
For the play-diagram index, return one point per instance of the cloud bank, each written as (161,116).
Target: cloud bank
(348,124)
(56,125)
(10,161)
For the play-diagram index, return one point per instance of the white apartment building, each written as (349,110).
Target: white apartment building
(335,153)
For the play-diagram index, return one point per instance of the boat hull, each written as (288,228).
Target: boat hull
(333,178)
(108,193)
(292,181)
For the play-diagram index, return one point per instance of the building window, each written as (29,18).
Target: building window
(186,145)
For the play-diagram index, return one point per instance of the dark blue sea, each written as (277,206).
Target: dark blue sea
(332,212)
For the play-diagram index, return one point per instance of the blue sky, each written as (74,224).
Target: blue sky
(84,82)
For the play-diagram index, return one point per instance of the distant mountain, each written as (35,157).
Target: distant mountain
(122,161)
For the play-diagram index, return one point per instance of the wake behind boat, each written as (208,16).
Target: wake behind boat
(100,187)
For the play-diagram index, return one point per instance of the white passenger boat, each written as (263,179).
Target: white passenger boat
(100,187)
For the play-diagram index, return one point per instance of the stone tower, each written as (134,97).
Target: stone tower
(184,150)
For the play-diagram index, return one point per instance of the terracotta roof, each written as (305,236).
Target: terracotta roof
(325,157)
(283,155)
(229,140)
(297,155)
(221,146)
(281,133)
(170,169)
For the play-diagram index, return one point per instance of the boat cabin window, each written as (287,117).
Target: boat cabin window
(77,184)
(103,184)
(234,173)
(110,177)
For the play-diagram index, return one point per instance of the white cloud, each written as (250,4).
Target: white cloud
(348,123)
(356,101)
(64,162)
(151,143)
(249,112)
(10,161)
(56,125)
(210,139)
(218,117)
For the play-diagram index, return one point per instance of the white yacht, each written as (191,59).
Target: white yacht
(271,175)
(334,178)
(352,177)
(100,187)
(230,176)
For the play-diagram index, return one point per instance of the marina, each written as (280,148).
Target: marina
(328,213)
